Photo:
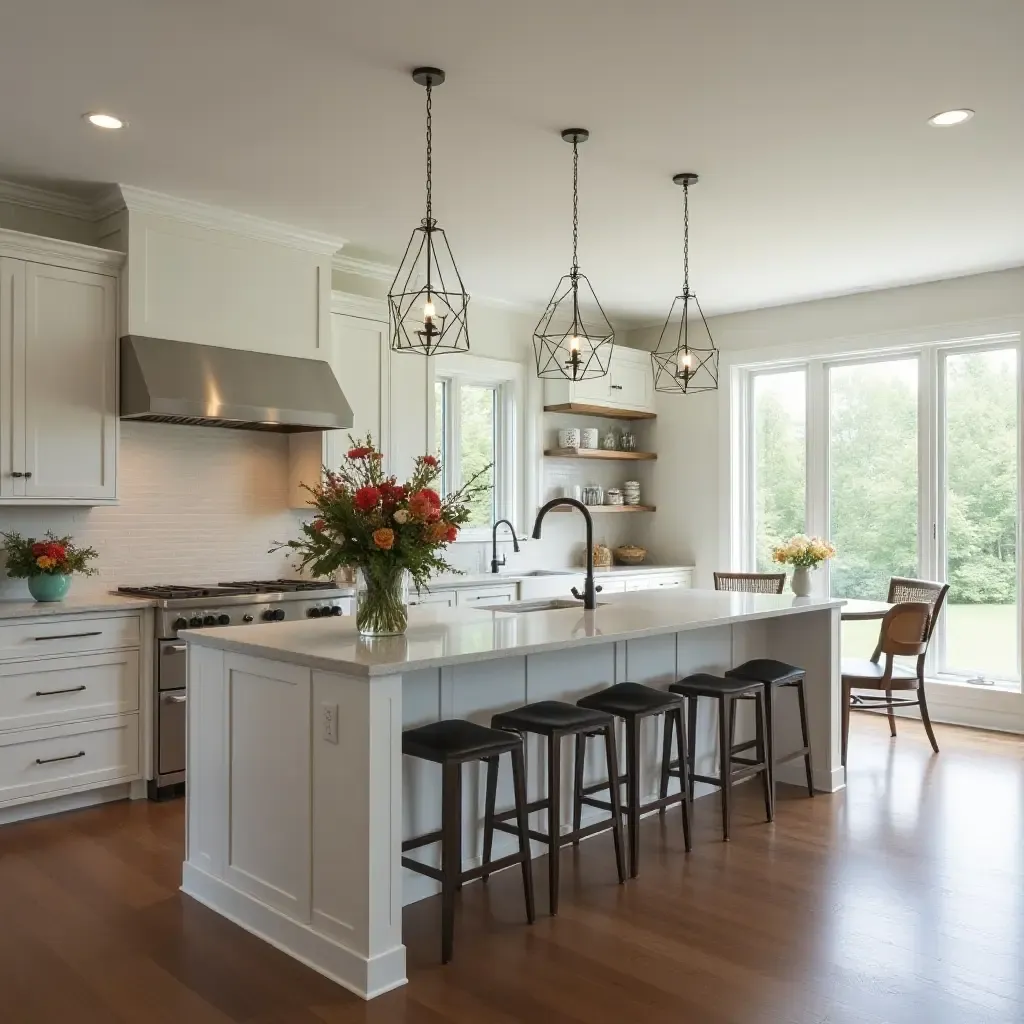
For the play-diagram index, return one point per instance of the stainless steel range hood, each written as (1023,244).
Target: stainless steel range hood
(178,382)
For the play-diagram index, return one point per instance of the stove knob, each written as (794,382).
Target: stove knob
(247,617)
(336,609)
(210,620)
(223,620)
(278,614)
(269,615)
(314,613)
(195,622)
(180,623)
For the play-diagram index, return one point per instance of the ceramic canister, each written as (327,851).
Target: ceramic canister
(569,438)
(588,437)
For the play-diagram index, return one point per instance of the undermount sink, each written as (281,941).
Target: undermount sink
(549,605)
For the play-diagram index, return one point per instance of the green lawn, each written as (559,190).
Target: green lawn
(979,638)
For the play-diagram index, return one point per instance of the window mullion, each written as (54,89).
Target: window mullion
(817,440)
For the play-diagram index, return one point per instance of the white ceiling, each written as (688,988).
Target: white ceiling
(805,119)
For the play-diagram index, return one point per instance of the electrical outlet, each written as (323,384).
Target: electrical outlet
(329,713)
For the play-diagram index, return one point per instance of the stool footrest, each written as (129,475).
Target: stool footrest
(424,840)
(423,869)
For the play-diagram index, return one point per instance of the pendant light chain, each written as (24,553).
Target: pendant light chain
(686,238)
(575,207)
(430,153)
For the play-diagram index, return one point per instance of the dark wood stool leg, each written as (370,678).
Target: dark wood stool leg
(633,792)
(612,759)
(554,816)
(675,718)
(763,751)
(805,738)
(691,728)
(451,852)
(523,821)
(769,736)
(666,759)
(492,793)
(725,716)
(577,783)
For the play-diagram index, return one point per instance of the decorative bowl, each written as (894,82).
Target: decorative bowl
(630,554)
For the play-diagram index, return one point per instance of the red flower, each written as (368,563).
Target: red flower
(319,525)
(425,504)
(55,551)
(453,532)
(359,453)
(397,492)
(431,461)
(38,550)
(367,498)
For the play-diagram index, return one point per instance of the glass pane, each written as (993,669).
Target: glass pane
(980,621)
(476,444)
(440,434)
(780,461)
(873,485)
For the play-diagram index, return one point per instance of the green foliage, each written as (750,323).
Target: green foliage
(873,465)
(49,555)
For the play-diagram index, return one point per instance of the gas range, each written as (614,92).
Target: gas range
(239,603)
(236,603)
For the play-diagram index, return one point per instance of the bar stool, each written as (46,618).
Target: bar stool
(726,692)
(776,674)
(633,702)
(555,720)
(451,744)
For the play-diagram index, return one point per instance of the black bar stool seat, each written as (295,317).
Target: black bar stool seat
(555,720)
(633,702)
(726,691)
(452,743)
(777,674)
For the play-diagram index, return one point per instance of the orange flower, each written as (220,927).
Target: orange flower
(46,562)
(384,538)
(436,532)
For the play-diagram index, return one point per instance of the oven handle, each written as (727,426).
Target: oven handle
(172,699)
(176,647)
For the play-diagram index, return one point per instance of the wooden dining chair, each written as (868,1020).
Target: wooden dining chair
(906,630)
(751,582)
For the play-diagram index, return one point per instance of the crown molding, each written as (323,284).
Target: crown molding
(43,199)
(351,304)
(363,268)
(217,218)
(55,250)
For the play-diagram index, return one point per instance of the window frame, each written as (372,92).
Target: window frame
(506,378)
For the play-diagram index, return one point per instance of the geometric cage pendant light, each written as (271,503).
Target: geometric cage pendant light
(427,302)
(685,360)
(573,339)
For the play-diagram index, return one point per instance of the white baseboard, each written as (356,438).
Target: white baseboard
(366,977)
(66,802)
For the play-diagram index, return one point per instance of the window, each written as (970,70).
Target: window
(475,424)
(908,462)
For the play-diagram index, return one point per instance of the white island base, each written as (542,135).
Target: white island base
(298,794)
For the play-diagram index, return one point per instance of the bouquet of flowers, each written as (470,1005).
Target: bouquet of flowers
(368,520)
(803,552)
(51,556)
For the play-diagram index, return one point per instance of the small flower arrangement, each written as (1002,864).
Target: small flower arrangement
(367,520)
(51,556)
(803,552)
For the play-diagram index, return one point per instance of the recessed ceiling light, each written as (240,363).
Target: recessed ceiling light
(105,121)
(948,118)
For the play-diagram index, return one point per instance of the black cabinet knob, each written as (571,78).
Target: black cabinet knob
(223,620)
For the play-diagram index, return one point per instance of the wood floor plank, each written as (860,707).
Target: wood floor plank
(900,901)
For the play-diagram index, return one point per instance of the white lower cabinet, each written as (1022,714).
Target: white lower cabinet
(487,595)
(42,762)
(70,706)
(445,598)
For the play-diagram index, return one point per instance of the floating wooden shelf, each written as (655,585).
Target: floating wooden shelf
(598,453)
(608,508)
(601,410)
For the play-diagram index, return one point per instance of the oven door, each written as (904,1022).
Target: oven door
(171,713)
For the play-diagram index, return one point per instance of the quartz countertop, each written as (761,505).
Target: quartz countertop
(446,636)
(75,603)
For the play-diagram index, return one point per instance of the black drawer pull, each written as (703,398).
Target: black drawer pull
(68,636)
(66,757)
(50,693)
(17,475)
(616,387)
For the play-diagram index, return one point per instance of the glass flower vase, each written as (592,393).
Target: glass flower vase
(382,601)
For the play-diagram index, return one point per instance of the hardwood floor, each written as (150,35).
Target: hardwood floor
(901,900)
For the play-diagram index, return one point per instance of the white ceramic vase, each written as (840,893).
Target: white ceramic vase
(801,581)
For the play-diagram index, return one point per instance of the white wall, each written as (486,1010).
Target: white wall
(690,442)
(47,223)
(198,504)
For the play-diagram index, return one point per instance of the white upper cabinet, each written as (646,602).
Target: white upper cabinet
(58,373)
(628,385)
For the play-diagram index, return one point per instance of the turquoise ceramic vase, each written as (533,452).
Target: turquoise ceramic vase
(46,587)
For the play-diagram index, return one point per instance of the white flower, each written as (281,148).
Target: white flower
(401,516)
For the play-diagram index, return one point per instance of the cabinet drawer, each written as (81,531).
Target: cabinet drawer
(486,595)
(41,762)
(59,634)
(445,598)
(52,690)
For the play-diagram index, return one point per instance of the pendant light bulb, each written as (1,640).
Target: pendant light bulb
(574,344)
(429,312)
(686,362)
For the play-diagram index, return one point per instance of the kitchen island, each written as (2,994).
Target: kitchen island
(298,795)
